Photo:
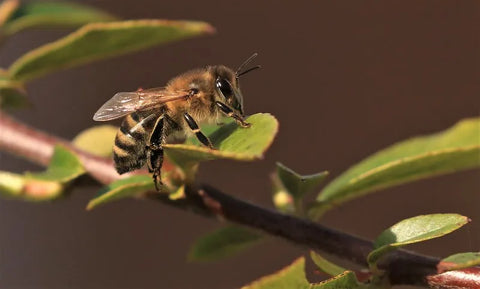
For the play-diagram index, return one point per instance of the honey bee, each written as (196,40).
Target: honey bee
(154,115)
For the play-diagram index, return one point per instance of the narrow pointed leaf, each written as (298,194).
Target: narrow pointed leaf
(223,243)
(123,188)
(230,142)
(101,40)
(459,261)
(326,266)
(54,13)
(414,230)
(97,140)
(455,149)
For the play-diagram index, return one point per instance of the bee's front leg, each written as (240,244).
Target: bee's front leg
(229,112)
(155,152)
(198,133)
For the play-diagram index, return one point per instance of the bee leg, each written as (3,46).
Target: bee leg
(155,152)
(194,127)
(155,160)
(229,112)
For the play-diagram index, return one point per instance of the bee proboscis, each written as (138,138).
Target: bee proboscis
(153,115)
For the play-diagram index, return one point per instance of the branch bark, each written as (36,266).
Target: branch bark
(402,267)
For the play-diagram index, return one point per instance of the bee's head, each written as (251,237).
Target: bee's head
(227,88)
(227,84)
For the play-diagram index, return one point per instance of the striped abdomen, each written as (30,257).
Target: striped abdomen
(129,151)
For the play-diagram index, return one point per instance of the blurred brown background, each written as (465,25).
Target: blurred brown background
(345,79)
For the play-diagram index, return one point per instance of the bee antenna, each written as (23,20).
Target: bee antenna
(248,70)
(245,63)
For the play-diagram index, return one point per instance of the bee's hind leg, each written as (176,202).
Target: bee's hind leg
(198,133)
(155,152)
(154,162)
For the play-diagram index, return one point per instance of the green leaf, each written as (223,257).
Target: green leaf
(414,230)
(19,187)
(123,188)
(97,140)
(7,8)
(230,142)
(64,167)
(459,261)
(326,266)
(223,243)
(457,148)
(101,40)
(298,185)
(12,93)
(346,280)
(295,184)
(41,14)
(178,194)
(11,184)
(293,277)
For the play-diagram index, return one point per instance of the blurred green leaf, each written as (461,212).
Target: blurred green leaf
(178,194)
(223,243)
(293,277)
(230,142)
(64,167)
(459,261)
(12,93)
(123,188)
(457,148)
(97,140)
(55,13)
(326,266)
(294,184)
(101,40)
(7,8)
(346,280)
(11,184)
(19,187)
(414,230)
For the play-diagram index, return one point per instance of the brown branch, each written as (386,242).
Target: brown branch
(402,267)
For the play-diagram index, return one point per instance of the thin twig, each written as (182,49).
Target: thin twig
(402,267)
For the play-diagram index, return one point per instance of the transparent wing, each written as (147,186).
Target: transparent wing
(124,103)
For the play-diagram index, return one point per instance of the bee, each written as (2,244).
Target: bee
(154,116)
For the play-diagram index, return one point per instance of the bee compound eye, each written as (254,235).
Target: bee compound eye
(224,87)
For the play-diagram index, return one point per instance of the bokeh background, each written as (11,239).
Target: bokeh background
(344,78)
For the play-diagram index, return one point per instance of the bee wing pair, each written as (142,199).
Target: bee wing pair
(124,103)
